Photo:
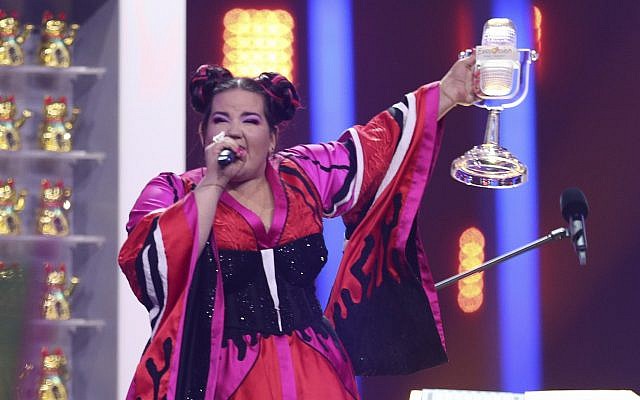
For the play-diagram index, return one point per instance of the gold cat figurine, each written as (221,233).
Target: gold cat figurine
(11,203)
(54,376)
(54,205)
(56,40)
(11,39)
(55,132)
(9,126)
(55,305)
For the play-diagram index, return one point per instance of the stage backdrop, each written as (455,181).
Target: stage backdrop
(587,127)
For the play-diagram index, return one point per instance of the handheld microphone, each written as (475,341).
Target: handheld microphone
(575,210)
(496,57)
(226,157)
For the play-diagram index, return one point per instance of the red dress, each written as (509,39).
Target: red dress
(241,320)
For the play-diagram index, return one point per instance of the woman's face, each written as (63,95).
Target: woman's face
(240,114)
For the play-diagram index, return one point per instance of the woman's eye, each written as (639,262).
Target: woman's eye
(253,121)
(218,120)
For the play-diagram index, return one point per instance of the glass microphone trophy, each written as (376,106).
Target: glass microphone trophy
(503,83)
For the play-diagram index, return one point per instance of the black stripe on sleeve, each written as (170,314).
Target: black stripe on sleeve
(171,183)
(142,281)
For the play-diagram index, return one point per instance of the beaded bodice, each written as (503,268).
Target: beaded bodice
(253,305)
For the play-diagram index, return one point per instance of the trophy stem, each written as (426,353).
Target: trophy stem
(492,131)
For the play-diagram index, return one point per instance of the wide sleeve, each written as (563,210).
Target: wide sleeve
(162,230)
(383,304)
(178,287)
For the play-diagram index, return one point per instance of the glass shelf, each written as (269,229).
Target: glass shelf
(72,71)
(71,240)
(71,324)
(71,156)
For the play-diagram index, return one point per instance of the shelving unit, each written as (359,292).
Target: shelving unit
(69,241)
(72,324)
(73,71)
(41,155)
(89,338)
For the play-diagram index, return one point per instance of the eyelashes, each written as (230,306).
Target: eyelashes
(248,120)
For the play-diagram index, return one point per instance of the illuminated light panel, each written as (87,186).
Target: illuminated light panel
(464,26)
(516,222)
(257,41)
(471,254)
(331,93)
(537,28)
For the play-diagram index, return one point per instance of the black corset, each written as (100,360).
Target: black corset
(249,307)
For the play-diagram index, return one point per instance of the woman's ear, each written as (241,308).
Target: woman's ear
(274,140)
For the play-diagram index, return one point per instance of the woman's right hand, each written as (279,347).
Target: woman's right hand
(215,182)
(218,175)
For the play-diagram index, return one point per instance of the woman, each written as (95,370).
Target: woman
(225,257)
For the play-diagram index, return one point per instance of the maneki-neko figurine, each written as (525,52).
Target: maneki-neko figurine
(54,376)
(55,132)
(56,40)
(11,203)
(12,38)
(9,125)
(54,205)
(55,303)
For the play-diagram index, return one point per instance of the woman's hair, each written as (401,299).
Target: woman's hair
(280,97)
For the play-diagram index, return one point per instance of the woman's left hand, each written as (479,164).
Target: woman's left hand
(458,85)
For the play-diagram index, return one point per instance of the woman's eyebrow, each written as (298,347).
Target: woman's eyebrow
(244,114)
(251,114)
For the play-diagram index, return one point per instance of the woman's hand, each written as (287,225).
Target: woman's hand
(210,188)
(458,85)
(216,174)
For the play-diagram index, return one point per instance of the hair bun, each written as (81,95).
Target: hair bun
(203,82)
(283,95)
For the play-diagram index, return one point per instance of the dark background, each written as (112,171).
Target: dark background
(587,83)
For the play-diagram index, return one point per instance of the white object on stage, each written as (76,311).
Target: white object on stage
(444,394)
(581,395)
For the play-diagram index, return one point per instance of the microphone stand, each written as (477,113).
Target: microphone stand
(556,234)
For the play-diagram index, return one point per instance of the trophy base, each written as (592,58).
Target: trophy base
(489,166)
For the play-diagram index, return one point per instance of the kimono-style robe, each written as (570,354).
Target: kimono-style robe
(241,319)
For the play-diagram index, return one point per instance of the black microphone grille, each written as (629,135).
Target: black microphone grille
(573,202)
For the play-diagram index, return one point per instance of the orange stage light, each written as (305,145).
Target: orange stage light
(258,41)
(471,254)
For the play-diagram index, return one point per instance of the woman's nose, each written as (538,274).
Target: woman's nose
(234,131)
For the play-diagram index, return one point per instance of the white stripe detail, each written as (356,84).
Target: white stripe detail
(402,107)
(403,145)
(158,309)
(269,266)
(162,271)
(158,210)
(360,166)
(151,290)
(356,183)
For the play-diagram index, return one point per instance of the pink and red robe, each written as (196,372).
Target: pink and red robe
(241,319)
